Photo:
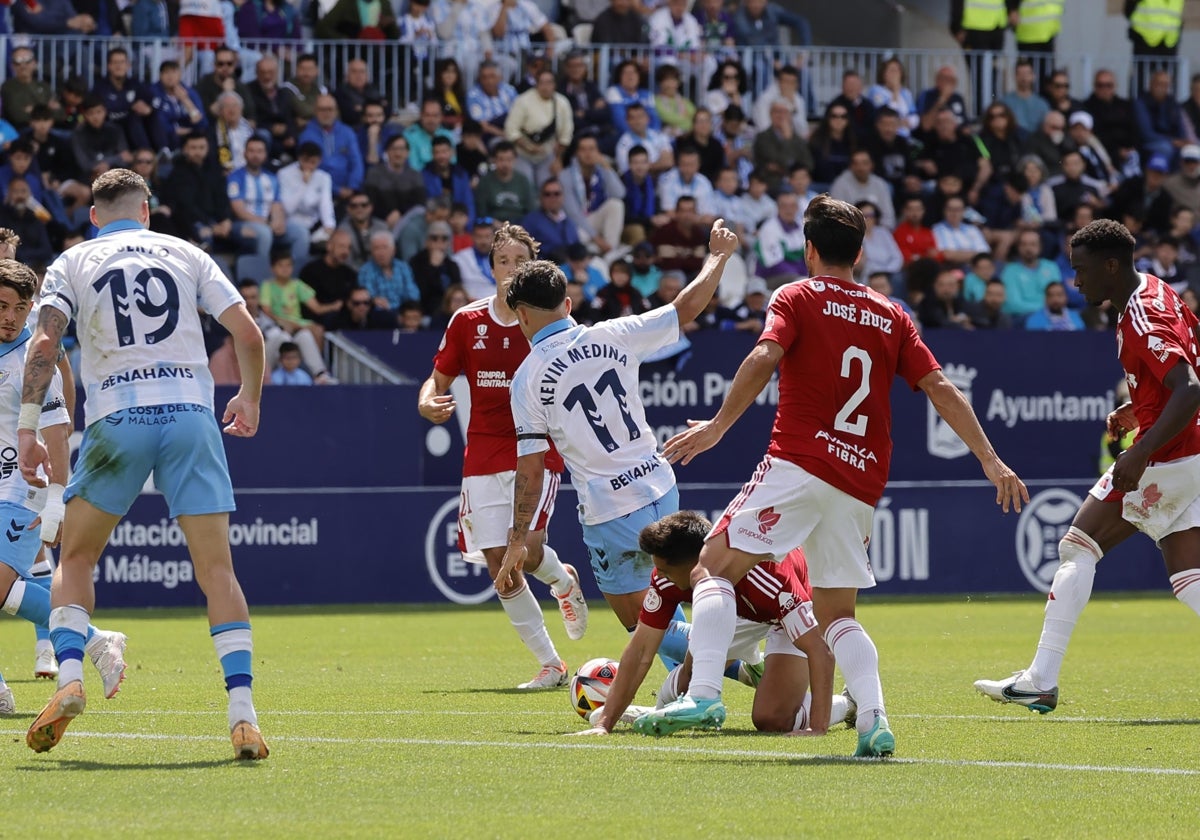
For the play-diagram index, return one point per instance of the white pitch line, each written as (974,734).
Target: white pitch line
(627,747)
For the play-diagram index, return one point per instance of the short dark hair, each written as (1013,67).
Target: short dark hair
(247,282)
(279,254)
(195,135)
(980,257)
(289,347)
(676,538)
(836,230)
(504,146)
(18,277)
(638,150)
(537,283)
(40,112)
(169,64)
(255,138)
(308,149)
(303,57)
(115,184)
(116,51)
(1107,238)
(21,145)
(885,111)
(92,101)
(787,70)
(635,106)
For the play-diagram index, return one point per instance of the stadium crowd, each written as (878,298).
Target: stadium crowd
(340,209)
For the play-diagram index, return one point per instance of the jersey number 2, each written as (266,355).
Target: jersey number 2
(580,395)
(842,422)
(167,309)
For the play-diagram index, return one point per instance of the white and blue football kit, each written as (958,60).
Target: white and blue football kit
(133,294)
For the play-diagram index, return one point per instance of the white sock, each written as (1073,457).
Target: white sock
(859,660)
(714,616)
(1069,593)
(525,613)
(840,709)
(552,572)
(1187,587)
(669,692)
(43,645)
(16,594)
(802,714)
(241,706)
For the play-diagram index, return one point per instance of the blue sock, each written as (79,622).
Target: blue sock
(675,643)
(731,671)
(35,608)
(42,631)
(235,650)
(68,632)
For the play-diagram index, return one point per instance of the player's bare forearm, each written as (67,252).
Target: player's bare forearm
(953,407)
(58,444)
(42,357)
(752,376)
(690,302)
(68,383)
(248,347)
(527,490)
(820,676)
(636,661)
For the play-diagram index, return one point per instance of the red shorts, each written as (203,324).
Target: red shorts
(206,33)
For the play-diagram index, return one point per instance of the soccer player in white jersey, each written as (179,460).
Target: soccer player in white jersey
(482,340)
(20,502)
(838,347)
(149,409)
(579,389)
(1154,486)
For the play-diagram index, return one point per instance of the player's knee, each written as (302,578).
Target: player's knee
(773,719)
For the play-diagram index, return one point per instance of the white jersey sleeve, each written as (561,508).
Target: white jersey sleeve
(644,334)
(533,434)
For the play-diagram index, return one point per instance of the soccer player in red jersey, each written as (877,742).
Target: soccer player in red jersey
(484,341)
(776,602)
(838,346)
(1154,486)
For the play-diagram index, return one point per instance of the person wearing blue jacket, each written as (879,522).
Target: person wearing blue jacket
(340,155)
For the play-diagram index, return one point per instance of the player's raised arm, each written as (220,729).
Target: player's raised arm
(953,407)
(40,362)
(433,403)
(689,303)
(241,414)
(636,660)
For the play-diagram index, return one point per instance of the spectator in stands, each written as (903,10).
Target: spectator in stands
(1050,142)
(272,21)
(330,277)
(202,27)
(737,141)
(145,163)
(947,150)
(340,156)
(358,20)
(504,193)
(672,27)
(389,280)
(195,192)
(630,89)
(1115,123)
(18,214)
(702,139)
(151,19)
(541,125)
(1191,111)
(1026,278)
(71,96)
(393,186)
(581,268)
(223,79)
(1184,185)
(355,91)
(1164,264)
(1159,118)
(361,313)
(410,318)
(418,40)
(859,108)
(307,192)
(514,22)
(229,132)
(434,268)
(594,197)
(728,205)
(21,91)
(779,249)
(891,153)
(757,204)
(461,232)
(777,148)
(362,225)
(685,179)
(20,163)
(1073,187)
(858,183)
(462,22)
(490,99)
(475,263)
(728,86)
(1058,94)
(442,177)
(255,201)
(890,91)
(1054,315)
(293,305)
(657,145)
(989,313)
(832,143)
(421,133)
(646,274)
(549,224)
(53,17)
(620,23)
(178,108)
(373,133)
(681,243)
(98,144)
(1001,138)
(717,25)
(1028,108)
(674,109)
(758,23)
(1183,226)
(944,307)
(274,105)
(55,158)
(641,197)
(944,94)
(1038,208)
(620,297)
(127,100)
(785,88)
(305,88)
(289,372)
(880,251)
(983,272)
(958,241)
(1098,165)
(591,111)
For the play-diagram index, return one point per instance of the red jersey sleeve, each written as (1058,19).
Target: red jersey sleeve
(448,359)
(1160,348)
(915,360)
(781,318)
(658,607)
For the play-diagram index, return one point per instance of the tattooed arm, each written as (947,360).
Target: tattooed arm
(40,364)
(527,491)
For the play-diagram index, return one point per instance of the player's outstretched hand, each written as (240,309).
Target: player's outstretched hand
(31,454)
(700,436)
(722,241)
(241,416)
(1011,492)
(1130,467)
(1121,422)
(595,730)
(437,409)
(514,561)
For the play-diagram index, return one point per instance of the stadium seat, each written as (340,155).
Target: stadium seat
(252,267)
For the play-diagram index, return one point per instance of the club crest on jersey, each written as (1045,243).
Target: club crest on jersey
(1158,348)
(940,439)
(817,285)
(652,601)
(480,337)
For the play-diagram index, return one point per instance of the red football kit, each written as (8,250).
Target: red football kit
(842,346)
(488,352)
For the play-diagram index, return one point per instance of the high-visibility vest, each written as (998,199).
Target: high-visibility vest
(1158,21)
(1040,20)
(984,15)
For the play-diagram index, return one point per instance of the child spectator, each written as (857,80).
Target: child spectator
(580,269)
(460,236)
(983,272)
(286,299)
(289,371)
(410,318)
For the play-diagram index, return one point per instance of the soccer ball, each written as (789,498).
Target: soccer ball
(590,685)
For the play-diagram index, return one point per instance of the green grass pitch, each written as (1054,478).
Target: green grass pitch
(401,722)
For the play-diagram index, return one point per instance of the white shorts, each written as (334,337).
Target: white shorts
(485,509)
(1167,499)
(747,635)
(783,506)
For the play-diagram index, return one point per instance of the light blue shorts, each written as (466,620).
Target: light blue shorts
(179,442)
(19,545)
(619,565)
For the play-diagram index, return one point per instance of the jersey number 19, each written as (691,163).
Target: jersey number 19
(167,310)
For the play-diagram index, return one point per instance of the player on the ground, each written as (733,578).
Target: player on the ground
(1154,486)
(775,599)
(21,503)
(838,346)
(483,341)
(149,409)
(579,389)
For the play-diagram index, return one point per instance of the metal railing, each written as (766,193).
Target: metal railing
(351,364)
(402,75)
